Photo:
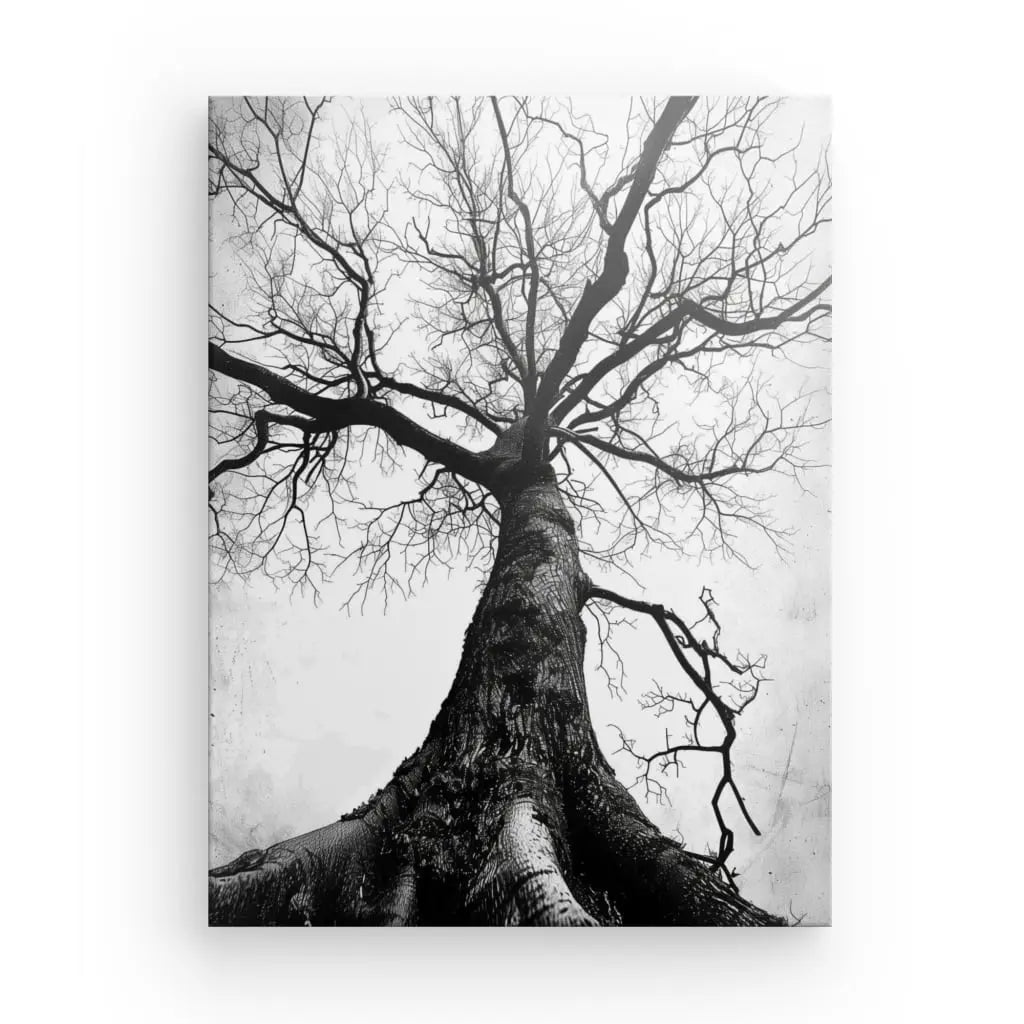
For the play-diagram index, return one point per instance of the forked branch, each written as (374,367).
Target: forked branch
(696,657)
(598,293)
(332,414)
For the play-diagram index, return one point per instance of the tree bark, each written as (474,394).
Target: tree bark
(508,813)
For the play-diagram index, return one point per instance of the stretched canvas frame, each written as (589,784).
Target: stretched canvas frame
(519,511)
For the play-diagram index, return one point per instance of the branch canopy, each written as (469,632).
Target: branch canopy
(500,287)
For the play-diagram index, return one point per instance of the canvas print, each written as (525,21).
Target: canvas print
(519,511)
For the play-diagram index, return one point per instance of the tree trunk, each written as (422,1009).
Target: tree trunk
(508,813)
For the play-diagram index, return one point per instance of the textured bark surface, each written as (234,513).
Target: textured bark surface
(508,813)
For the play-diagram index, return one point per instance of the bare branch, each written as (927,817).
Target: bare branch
(613,274)
(682,642)
(333,414)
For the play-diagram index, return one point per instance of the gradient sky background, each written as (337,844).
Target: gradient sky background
(312,708)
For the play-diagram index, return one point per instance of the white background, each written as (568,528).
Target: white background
(105,546)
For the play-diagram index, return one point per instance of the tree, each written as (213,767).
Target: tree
(573,359)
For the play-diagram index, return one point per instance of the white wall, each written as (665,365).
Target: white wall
(106,769)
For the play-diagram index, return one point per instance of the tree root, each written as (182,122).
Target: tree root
(521,882)
(339,874)
(517,858)
(652,878)
(294,882)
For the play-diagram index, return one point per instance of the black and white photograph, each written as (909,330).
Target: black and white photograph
(511,512)
(519,506)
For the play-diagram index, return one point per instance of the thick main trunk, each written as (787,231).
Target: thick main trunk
(508,813)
